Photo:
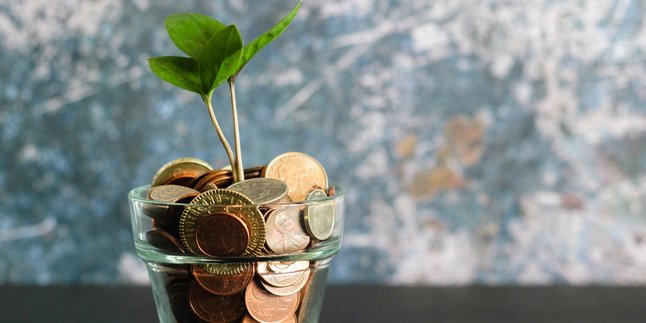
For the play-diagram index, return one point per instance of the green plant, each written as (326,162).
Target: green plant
(216,53)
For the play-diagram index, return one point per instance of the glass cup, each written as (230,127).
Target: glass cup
(280,277)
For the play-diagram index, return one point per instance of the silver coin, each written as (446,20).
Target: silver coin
(319,217)
(261,190)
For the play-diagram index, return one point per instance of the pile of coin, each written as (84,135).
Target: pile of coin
(199,211)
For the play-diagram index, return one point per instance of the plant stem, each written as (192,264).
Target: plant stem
(236,129)
(218,130)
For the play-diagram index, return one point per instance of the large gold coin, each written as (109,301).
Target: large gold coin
(218,200)
(301,173)
(180,168)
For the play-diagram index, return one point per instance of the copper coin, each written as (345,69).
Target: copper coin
(182,180)
(181,167)
(248,319)
(177,291)
(197,179)
(284,231)
(266,307)
(170,220)
(212,177)
(154,211)
(215,308)
(223,285)
(331,191)
(163,240)
(300,171)
(221,234)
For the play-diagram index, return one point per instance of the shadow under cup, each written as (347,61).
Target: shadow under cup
(282,281)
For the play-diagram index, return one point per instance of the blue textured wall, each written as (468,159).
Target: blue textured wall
(480,141)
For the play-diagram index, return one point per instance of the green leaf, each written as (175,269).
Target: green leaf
(251,49)
(190,31)
(220,57)
(179,71)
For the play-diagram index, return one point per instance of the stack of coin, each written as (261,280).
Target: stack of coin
(199,211)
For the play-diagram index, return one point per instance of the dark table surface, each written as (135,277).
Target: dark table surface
(351,304)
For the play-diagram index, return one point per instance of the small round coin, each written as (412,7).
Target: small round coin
(290,289)
(213,201)
(177,290)
(223,284)
(248,319)
(320,217)
(215,308)
(163,240)
(301,172)
(290,275)
(221,234)
(266,307)
(261,190)
(284,231)
(170,193)
(181,167)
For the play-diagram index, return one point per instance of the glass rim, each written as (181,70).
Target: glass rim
(135,195)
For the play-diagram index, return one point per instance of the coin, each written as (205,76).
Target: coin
(266,307)
(181,167)
(223,285)
(287,266)
(248,319)
(215,308)
(177,291)
(221,234)
(290,289)
(289,275)
(170,193)
(169,221)
(261,190)
(319,218)
(182,180)
(163,240)
(208,203)
(219,178)
(284,231)
(226,268)
(299,171)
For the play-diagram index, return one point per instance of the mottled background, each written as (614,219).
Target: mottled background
(480,141)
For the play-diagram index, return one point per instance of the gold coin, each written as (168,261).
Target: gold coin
(301,173)
(214,201)
(319,217)
(181,167)
(261,190)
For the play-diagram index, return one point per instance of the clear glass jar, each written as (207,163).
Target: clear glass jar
(282,280)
